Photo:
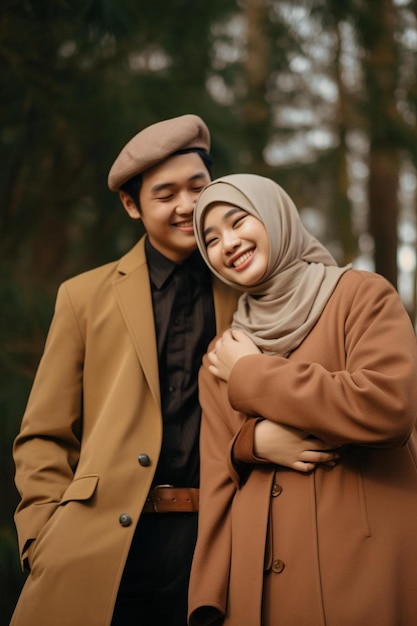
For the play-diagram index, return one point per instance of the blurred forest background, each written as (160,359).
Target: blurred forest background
(320,95)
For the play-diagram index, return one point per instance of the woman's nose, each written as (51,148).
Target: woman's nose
(230,241)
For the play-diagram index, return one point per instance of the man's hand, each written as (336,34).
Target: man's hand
(293,448)
(228,349)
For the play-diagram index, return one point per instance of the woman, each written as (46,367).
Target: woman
(315,351)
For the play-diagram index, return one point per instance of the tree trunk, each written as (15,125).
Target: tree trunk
(256,110)
(344,230)
(380,67)
(383,209)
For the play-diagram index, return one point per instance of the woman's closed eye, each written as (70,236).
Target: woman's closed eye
(210,241)
(238,220)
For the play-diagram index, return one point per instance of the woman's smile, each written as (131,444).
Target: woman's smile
(243,260)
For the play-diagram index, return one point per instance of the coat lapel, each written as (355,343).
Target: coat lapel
(133,294)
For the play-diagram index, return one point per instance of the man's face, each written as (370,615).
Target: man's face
(167,199)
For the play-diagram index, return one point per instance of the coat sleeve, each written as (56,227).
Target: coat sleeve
(211,565)
(46,450)
(370,401)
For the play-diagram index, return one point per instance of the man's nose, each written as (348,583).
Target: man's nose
(186,202)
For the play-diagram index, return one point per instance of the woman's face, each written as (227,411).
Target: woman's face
(237,243)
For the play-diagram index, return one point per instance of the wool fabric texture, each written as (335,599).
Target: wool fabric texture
(280,310)
(155,143)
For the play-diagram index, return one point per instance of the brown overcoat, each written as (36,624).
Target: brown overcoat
(94,408)
(337,546)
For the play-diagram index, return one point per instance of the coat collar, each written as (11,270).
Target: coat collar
(133,259)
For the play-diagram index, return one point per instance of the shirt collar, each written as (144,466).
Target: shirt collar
(161,268)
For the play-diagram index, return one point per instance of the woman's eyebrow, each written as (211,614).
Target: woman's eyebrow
(226,216)
(207,231)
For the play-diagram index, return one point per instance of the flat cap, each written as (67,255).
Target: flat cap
(156,143)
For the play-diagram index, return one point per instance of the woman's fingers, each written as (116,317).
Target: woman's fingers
(315,456)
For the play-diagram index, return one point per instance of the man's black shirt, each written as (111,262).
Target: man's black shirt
(185,323)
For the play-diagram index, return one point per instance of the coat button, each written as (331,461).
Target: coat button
(125,519)
(278,566)
(276,490)
(144,460)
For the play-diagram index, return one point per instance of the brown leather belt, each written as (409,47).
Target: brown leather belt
(170,499)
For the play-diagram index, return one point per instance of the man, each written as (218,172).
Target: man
(113,416)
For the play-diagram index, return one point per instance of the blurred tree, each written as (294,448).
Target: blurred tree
(376,32)
(335,16)
(255,110)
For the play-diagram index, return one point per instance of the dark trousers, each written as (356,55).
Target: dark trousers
(154,585)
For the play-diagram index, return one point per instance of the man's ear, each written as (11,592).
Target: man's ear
(129,205)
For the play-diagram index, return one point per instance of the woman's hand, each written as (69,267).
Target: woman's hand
(228,349)
(293,448)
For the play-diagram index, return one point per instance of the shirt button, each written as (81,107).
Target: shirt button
(276,490)
(144,460)
(125,519)
(278,566)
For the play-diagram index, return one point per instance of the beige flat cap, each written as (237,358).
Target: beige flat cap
(156,143)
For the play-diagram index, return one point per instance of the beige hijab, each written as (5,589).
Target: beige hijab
(279,311)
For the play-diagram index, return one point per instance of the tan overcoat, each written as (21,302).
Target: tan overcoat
(97,384)
(338,546)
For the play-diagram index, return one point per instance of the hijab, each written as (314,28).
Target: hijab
(280,310)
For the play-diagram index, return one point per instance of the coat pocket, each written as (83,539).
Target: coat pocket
(81,488)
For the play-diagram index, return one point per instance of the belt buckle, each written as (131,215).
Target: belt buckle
(153,497)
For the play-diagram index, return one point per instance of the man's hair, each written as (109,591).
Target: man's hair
(133,185)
